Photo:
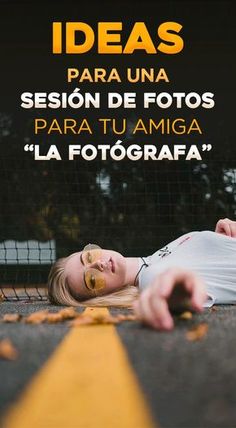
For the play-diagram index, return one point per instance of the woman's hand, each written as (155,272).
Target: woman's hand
(152,306)
(226,227)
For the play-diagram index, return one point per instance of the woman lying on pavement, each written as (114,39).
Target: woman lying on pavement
(194,271)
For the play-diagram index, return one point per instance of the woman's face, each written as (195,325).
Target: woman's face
(95,272)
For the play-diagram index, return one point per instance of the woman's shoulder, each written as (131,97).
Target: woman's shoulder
(183,238)
(214,242)
(216,236)
(197,237)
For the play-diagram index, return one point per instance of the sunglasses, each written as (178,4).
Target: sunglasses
(93,278)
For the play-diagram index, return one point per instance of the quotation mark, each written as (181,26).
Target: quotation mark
(206,147)
(29,148)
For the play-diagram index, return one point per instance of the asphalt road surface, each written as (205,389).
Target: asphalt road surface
(187,384)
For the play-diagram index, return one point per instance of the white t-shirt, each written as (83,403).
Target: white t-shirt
(210,255)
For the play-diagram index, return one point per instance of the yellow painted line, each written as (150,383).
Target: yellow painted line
(87,383)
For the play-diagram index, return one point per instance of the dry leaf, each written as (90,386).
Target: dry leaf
(54,318)
(213,309)
(198,332)
(7,350)
(11,317)
(83,320)
(37,317)
(101,319)
(105,319)
(68,313)
(94,319)
(110,319)
(187,315)
(44,316)
(1,297)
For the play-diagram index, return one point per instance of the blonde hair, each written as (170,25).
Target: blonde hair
(59,291)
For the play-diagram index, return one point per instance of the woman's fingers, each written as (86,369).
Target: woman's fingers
(163,318)
(189,282)
(199,294)
(143,309)
(226,227)
(223,227)
(152,306)
(233,229)
(173,276)
(153,310)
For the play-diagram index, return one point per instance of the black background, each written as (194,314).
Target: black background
(145,204)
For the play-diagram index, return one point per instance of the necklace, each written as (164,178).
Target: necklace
(144,264)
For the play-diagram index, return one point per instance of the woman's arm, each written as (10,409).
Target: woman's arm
(226,227)
(153,305)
